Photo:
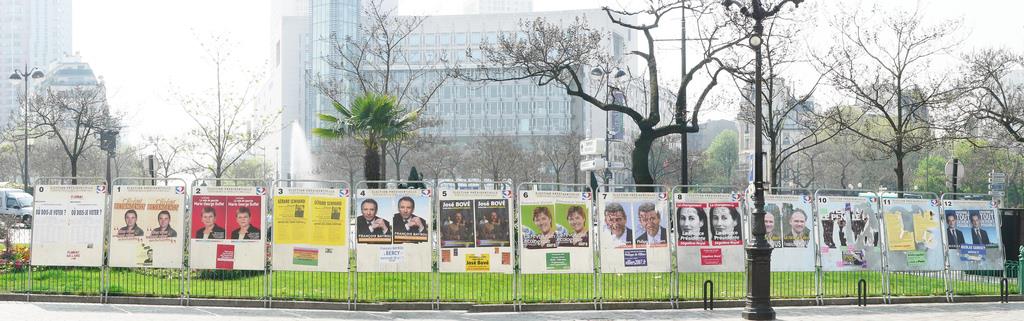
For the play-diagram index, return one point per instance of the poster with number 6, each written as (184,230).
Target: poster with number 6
(555,232)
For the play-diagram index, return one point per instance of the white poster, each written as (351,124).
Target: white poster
(475,230)
(789,226)
(393,230)
(555,232)
(710,237)
(635,232)
(67,227)
(973,237)
(147,226)
(851,236)
(913,234)
(310,230)
(228,230)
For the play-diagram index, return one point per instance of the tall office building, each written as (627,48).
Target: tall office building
(330,23)
(497,6)
(33,33)
(285,86)
(790,132)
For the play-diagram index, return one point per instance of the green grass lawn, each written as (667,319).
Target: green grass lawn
(481,288)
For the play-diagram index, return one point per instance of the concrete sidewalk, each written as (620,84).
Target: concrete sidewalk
(115,312)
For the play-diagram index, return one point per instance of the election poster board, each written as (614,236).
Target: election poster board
(851,238)
(789,224)
(310,230)
(393,230)
(147,226)
(475,230)
(973,239)
(635,232)
(710,237)
(67,227)
(227,230)
(913,234)
(555,232)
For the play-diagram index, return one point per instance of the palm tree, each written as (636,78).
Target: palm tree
(373,120)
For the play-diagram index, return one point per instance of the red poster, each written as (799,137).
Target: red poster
(225,256)
(208,217)
(243,217)
(711,256)
(693,224)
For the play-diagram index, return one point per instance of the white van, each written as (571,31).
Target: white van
(17,203)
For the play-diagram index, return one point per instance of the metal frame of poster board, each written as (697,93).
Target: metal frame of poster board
(241,281)
(638,284)
(306,280)
(60,285)
(792,282)
(900,279)
(571,287)
(975,277)
(386,283)
(721,281)
(844,283)
(495,287)
(149,286)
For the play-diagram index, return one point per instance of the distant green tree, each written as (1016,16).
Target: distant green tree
(722,158)
(930,175)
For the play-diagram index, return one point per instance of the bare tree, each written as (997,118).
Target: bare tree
(440,160)
(377,61)
(73,117)
(994,81)
(227,125)
(337,159)
(499,158)
(560,155)
(883,65)
(562,55)
(167,155)
(791,124)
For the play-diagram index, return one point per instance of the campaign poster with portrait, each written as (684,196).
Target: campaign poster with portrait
(147,226)
(635,232)
(555,232)
(67,226)
(475,231)
(710,235)
(788,227)
(393,230)
(973,239)
(913,234)
(227,230)
(310,230)
(851,238)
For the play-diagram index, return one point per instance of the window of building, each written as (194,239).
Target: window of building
(540,107)
(524,107)
(430,39)
(462,109)
(444,39)
(507,108)
(460,38)
(507,91)
(463,91)
(524,125)
(492,108)
(413,39)
(475,38)
(492,37)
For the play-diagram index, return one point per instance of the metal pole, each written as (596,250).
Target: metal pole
(681,112)
(758,305)
(24,174)
(607,131)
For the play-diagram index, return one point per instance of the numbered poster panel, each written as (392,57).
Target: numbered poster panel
(710,235)
(789,223)
(972,235)
(555,232)
(310,230)
(393,230)
(147,226)
(227,230)
(475,229)
(913,234)
(634,230)
(851,238)
(67,227)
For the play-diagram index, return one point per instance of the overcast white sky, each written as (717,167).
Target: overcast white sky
(142,48)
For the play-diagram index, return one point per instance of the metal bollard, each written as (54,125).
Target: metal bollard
(709,295)
(862,293)
(1004,290)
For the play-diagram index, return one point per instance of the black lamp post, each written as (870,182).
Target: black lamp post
(608,134)
(759,252)
(16,77)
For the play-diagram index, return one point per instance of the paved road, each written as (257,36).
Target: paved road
(98,312)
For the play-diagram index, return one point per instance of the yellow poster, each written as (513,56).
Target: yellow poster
(923,222)
(328,221)
(291,222)
(901,237)
(478,262)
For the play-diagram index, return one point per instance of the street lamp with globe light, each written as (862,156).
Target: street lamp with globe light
(16,78)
